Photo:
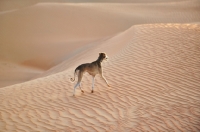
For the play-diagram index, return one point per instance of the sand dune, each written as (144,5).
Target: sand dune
(41,34)
(154,76)
(153,68)
(12,73)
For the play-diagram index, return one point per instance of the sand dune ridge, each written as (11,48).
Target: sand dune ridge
(154,87)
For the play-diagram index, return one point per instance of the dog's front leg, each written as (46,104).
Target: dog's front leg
(105,80)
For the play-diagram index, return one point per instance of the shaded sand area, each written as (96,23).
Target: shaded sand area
(38,35)
(153,68)
(155,79)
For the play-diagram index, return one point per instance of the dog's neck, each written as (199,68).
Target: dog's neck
(99,61)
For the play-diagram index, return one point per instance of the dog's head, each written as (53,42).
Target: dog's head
(103,56)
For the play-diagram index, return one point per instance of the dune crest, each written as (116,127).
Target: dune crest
(154,78)
(40,34)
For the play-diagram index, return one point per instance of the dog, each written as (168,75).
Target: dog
(93,69)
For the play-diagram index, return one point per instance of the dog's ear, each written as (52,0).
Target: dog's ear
(100,54)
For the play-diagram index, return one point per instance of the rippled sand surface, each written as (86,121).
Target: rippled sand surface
(153,70)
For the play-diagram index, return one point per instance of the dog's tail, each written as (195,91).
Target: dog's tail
(71,79)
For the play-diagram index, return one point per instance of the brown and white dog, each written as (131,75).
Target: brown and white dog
(93,69)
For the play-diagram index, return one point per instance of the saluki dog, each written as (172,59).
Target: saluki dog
(93,69)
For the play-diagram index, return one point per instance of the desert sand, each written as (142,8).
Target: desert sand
(153,67)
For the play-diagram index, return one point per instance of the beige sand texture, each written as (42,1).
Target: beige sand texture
(153,70)
(40,34)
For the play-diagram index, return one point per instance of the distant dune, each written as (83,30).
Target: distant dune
(153,67)
(41,34)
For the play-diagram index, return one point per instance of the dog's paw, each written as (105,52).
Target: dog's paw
(108,85)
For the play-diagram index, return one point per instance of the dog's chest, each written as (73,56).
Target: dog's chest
(93,72)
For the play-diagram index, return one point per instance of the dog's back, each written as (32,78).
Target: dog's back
(82,67)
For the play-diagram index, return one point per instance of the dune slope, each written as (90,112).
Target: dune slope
(154,77)
(41,34)
(11,73)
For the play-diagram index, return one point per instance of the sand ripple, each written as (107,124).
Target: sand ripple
(155,81)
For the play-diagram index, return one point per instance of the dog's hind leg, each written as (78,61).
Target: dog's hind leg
(75,88)
(80,75)
(81,88)
(93,78)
